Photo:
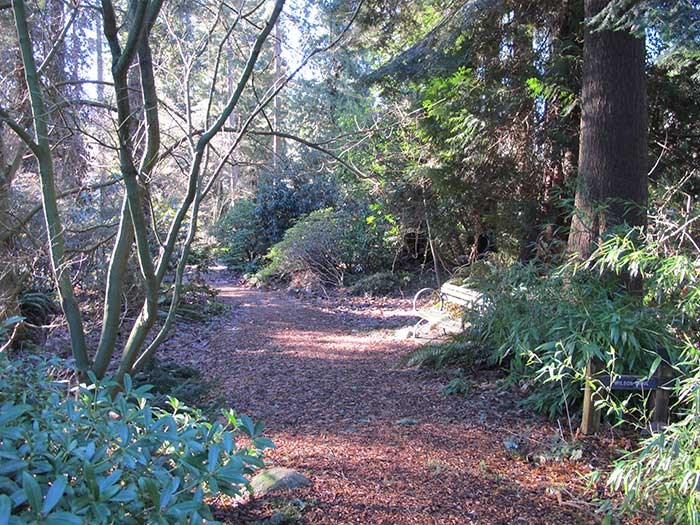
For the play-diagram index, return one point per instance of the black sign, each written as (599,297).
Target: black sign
(625,382)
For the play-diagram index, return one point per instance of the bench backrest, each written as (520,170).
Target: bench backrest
(460,295)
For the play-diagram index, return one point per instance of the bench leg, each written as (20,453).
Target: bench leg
(416,328)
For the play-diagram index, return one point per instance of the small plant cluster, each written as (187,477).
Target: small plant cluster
(330,244)
(459,351)
(170,379)
(663,475)
(578,318)
(197,303)
(380,284)
(102,455)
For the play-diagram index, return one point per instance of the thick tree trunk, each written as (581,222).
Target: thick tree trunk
(612,178)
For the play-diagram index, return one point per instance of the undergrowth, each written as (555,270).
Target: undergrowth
(169,379)
(542,325)
(85,455)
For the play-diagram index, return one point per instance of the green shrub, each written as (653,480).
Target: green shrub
(240,232)
(545,326)
(86,456)
(251,226)
(201,257)
(331,245)
(313,244)
(456,351)
(458,386)
(38,307)
(382,283)
(663,475)
(197,302)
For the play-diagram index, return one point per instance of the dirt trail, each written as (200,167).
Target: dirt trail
(381,445)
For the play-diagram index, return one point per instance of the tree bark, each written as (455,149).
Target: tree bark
(277,145)
(612,169)
(9,162)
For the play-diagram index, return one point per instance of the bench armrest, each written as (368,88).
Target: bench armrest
(426,291)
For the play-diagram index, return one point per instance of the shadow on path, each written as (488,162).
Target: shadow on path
(381,445)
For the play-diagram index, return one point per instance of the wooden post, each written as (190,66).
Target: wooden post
(591,415)
(660,412)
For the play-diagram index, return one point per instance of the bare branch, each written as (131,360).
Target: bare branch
(19,130)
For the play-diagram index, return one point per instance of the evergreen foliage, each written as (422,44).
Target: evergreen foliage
(84,455)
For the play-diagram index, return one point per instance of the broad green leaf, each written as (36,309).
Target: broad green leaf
(32,491)
(213,458)
(54,494)
(106,483)
(186,507)
(168,492)
(263,443)
(5,509)
(227,438)
(63,518)
(13,412)
(8,467)
(248,426)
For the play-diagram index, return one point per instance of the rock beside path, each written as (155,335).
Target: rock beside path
(277,479)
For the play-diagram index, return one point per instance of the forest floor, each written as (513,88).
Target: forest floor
(382,445)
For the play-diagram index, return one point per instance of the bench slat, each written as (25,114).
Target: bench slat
(451,293)
(460,293)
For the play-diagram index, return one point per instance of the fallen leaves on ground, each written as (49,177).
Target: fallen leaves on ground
(381,445)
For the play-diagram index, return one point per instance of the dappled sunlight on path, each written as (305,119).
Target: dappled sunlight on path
(381,444)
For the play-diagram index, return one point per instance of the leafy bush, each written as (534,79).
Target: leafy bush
(197,302)
(457,351)
(382,283)
(281,199)
(545,325)
(201,257)
(458,386)
(241,233)
(313,244)
(577,318)
(251,226)
(330,244)
(37,307)
(663,475)
(86,456)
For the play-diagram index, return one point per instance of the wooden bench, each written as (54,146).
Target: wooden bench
(436,314)
(658,383)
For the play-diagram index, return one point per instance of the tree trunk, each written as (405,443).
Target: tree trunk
(99,58)
(612,169)
(8,275)
(277,145)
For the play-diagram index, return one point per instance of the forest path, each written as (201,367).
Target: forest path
(381,445)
